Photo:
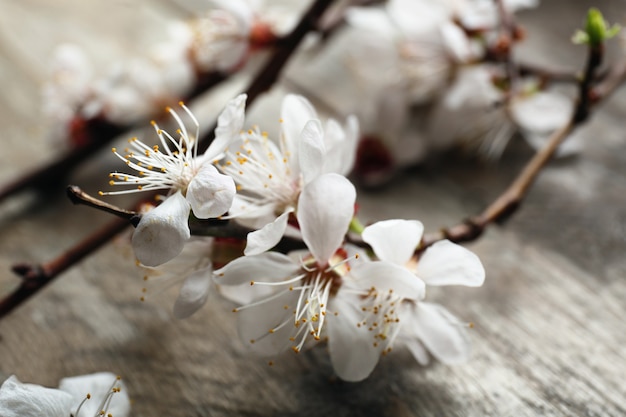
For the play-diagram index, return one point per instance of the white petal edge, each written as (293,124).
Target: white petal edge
(351,351)
(442,333)
(210,193)
(254,324)
(268,236)
(269,266)
(30,400)
(312,150)
(394,240)
(446,263)
(229,126)
(295,112)
(325,209)
(387,277)
(99,385)
(193,293)
(162,232)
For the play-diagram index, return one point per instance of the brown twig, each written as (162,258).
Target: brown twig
(96,133)
(78,196)
(35,277)
(100,132)
(270,72)
(512,197)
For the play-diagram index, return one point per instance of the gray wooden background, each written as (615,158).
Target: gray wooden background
(550,334)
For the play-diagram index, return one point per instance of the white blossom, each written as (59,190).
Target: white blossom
(193,181)
(270,177)
(220,39)
(83,396)
(291,298)
(414,42)
(193,269)
(385,301)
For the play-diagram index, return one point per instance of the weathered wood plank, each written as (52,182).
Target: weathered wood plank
(549,336)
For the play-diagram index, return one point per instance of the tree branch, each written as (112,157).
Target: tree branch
(35,277)
(512,197)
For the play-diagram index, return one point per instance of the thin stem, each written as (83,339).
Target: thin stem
(99,132)
(78,196)
(511,198)
(95,134)
(508,201)
(36,277)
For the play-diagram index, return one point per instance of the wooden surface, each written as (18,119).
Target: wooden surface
(550,334)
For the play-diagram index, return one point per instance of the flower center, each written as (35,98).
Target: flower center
(380,317)
(262,172)
(170,165)
(105,403)
(314,285)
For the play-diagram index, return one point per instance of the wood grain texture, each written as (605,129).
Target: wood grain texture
(550,334)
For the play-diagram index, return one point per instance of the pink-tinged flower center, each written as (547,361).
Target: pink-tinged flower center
(262,172)
(168,166)
(314,285)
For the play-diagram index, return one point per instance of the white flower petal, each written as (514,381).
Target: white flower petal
(341,144)
(403,12)
(240,9)
(250,214)
(30,400)
(312,150)
(371,20)
(542,112)
(351,350)
(193,293)
(254,324)
(267,237)
(350,144)
(394,240)
(99,385)
(229,125)
(441,332)
(386,277)
(446,263)
(456,42)
(210,193)
(269,266)
(418,351)
(241,294)
(295,112)
(325,209)
(162,232)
